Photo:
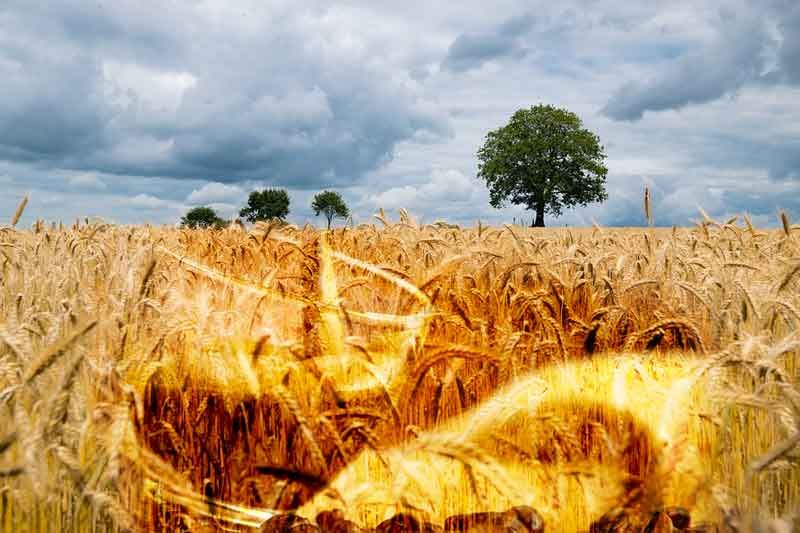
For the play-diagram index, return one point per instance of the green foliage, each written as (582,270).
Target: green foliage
(202,217)
(545,160)
(265,205)
(331,204)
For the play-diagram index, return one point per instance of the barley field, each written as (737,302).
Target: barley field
(158,379)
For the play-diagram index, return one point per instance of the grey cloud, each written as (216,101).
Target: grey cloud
(57,181)
(781,159)
(302,137)
(737,58)
(471,50)
(282,104)
(52,106)
(86,181)
(789,27)
(786,164)
(778,155)
(765,202)
(125,29)
(701,76)
(516,26)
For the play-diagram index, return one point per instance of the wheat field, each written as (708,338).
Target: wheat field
(158,379)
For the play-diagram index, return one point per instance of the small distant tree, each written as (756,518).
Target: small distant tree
(545,160)
(202,217)
(265,205)
(330,204)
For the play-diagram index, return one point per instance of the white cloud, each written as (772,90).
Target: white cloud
(147,201)
(443,187)
(396,197)
(162,90)
(86,180)
(215,192)
(224,210)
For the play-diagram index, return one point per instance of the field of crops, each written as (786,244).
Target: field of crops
(160,379)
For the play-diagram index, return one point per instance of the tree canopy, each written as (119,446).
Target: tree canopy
(202,217)
(545,160)
(265,205)
(331,204)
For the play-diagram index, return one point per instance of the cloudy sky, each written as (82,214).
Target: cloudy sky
(136,110)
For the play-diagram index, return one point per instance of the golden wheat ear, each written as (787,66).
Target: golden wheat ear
(18,212)
(785,224)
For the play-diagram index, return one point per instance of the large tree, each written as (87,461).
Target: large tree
(202,217)
(545,160)
(265,205)
(330,204)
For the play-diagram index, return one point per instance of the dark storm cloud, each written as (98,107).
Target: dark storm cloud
(760,202)
(52,107)
(781,158)
(789,27)
(277,102)
(471,50)
(777,154)
(302,137)
(698,77)
(785,163)
(739,55)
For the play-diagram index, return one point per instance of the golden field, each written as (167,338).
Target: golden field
(153,378)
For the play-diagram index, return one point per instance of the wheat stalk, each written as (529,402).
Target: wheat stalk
(785,224)
(18,212)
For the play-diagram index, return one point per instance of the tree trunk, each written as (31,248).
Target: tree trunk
(539,222)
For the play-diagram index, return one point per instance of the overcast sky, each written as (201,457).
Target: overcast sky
(136,110)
